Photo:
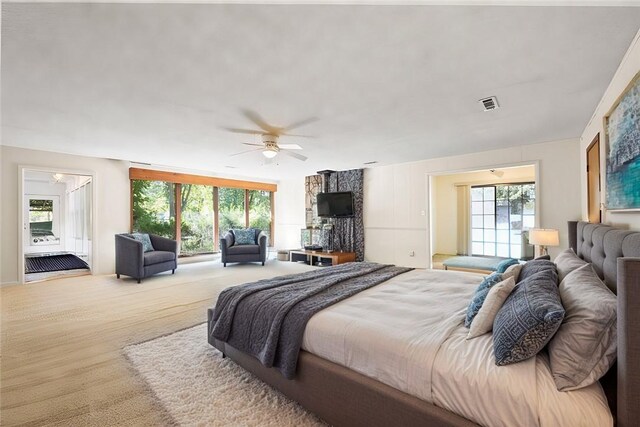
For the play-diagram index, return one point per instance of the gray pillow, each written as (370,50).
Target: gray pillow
(528,319)
(146,241)
(532,267)
(586,344)
(566,262)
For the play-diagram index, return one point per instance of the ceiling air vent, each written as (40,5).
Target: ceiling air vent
(490,103)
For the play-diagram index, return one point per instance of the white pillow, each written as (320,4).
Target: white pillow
(483,322)
(512,271)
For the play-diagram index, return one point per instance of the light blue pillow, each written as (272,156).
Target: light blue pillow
(528,319)
(480,295)
(245,236)
(504,264)
(145,239)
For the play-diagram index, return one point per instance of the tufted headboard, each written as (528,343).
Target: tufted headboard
(602,245)
(615,255)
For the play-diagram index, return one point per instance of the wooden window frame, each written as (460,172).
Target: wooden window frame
(181,178)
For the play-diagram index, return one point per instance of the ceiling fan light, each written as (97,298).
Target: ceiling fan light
(269,154)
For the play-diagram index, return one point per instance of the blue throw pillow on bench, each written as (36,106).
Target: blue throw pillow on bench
(479,296)
(245,236)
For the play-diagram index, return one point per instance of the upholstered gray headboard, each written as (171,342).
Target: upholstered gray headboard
(602,245)
(615,255)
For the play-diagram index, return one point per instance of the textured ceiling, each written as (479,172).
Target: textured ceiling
(156,83)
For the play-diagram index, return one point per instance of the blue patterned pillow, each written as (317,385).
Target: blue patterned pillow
(502,267)
(245,236)
(528,319)
(146,241)
(533,267)
(480,295)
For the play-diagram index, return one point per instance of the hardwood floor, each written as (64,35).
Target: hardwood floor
(62,340)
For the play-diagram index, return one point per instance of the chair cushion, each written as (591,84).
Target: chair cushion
(156,257)
(146,241)
(243,249)
(244,236)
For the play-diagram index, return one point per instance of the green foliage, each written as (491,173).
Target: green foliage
(154,208)
(154,212)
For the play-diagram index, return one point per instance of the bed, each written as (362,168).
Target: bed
(357,383)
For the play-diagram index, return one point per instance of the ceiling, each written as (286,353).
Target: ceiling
(156,83)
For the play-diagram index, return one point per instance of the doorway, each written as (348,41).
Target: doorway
(483,212)
(57,224)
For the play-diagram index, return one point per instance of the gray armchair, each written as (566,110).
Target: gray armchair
(131,260)
(243,253)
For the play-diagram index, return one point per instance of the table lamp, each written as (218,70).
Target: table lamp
(544,237)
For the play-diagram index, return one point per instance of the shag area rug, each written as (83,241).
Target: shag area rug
(196,386)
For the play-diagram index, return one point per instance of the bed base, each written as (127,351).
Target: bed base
(343,397)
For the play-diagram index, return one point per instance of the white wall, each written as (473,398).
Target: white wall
(112,210)
(396,207)
(444,201)
(289,213)
(629,67)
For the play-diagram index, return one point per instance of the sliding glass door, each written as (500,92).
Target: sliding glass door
(499,215)
(192,212)
(197,219)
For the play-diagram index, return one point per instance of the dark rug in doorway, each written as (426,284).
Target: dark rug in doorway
(43,264)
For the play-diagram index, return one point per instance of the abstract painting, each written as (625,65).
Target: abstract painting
(622,126)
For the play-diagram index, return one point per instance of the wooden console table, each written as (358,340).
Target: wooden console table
(322,258)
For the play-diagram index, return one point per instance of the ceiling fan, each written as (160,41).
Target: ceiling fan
(270,135)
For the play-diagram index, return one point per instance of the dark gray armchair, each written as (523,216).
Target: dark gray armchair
(131,260)
(243,253)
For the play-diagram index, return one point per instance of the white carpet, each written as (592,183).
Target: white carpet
(198,387)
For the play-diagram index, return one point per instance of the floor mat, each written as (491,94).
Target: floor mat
(43,264)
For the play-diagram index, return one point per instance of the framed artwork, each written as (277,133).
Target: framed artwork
(622,130)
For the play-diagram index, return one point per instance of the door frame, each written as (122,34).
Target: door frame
(596,140)
(430,195)
(21,201)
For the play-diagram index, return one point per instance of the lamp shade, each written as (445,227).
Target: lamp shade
(544,237)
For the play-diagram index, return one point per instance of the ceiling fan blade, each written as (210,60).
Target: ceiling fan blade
(301,123)
(248,131)
(294,155)
(297,135)
(244,152)
(255,118)
(253,144)
(289,147)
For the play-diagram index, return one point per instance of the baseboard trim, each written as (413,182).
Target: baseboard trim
(3,284)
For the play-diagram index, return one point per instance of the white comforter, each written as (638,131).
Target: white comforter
(408,333)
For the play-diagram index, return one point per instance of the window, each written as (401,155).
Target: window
(193,208)
(260,211)
(154,207)
(499,215)
(197,219)
(231,209)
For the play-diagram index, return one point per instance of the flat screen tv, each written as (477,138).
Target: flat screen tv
(335,205)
